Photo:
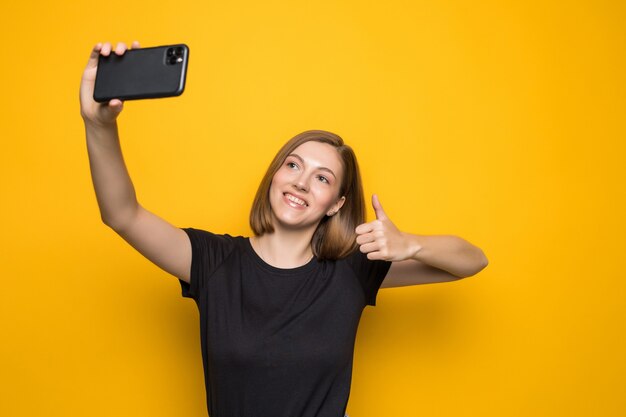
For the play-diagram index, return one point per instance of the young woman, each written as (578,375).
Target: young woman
(278,311)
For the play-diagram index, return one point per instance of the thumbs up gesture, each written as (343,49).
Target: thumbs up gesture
(380,239)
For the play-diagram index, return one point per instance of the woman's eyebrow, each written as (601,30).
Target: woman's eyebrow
(295,155)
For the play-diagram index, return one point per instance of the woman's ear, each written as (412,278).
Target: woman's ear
(336,206)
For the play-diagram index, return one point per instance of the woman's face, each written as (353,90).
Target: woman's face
(306,186)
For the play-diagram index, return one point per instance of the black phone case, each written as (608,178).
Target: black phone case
(154,72)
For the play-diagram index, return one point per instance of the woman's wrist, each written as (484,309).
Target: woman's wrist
(413,245)
(93,126)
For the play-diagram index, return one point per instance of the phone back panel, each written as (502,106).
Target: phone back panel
(141,73)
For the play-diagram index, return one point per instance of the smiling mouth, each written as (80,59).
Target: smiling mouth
(295,200)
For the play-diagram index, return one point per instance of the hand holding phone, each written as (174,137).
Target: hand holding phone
(157,81)
(91,111)
(142,73)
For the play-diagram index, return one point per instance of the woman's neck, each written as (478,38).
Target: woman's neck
(283,248)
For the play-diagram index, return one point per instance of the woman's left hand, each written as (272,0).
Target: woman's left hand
(380,239)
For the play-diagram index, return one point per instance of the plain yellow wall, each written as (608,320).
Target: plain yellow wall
(500,122)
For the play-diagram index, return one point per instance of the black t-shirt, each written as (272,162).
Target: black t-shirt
(277,342)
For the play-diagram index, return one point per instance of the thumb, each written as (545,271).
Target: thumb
(378,208)
(116,106)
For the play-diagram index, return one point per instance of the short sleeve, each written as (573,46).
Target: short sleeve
(370,273)
(208,250)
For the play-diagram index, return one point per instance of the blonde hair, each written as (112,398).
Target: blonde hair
(334,237)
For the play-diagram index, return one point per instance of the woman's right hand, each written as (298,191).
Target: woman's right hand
(100,114)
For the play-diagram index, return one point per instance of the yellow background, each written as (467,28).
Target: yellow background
(500,122)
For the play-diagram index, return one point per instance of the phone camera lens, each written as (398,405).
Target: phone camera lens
(172,60)
(170,52)
(179,51)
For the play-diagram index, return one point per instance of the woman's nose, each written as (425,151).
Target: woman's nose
(300,183)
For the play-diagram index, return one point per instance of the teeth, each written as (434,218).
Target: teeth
(295,200)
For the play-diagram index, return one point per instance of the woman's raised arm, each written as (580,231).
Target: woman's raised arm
(162,243)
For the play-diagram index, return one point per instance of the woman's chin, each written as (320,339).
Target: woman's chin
(295,223)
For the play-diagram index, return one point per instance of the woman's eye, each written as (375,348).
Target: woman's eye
(292,165)
(323,179)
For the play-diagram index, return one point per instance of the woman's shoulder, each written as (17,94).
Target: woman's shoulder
(204,238)
(359,262)
(212,235)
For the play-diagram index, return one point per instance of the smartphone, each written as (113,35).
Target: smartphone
(154,72)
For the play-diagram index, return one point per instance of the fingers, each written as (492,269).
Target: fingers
(369,247)
(116,105)
(369,227)
(378,208)
(369,240)
(105,49)
(374,251)
(364,228)
(93,57)
(366,238)
(120,48)
(375,256)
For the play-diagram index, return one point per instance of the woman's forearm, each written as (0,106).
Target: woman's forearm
(114,189)
(450,253)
